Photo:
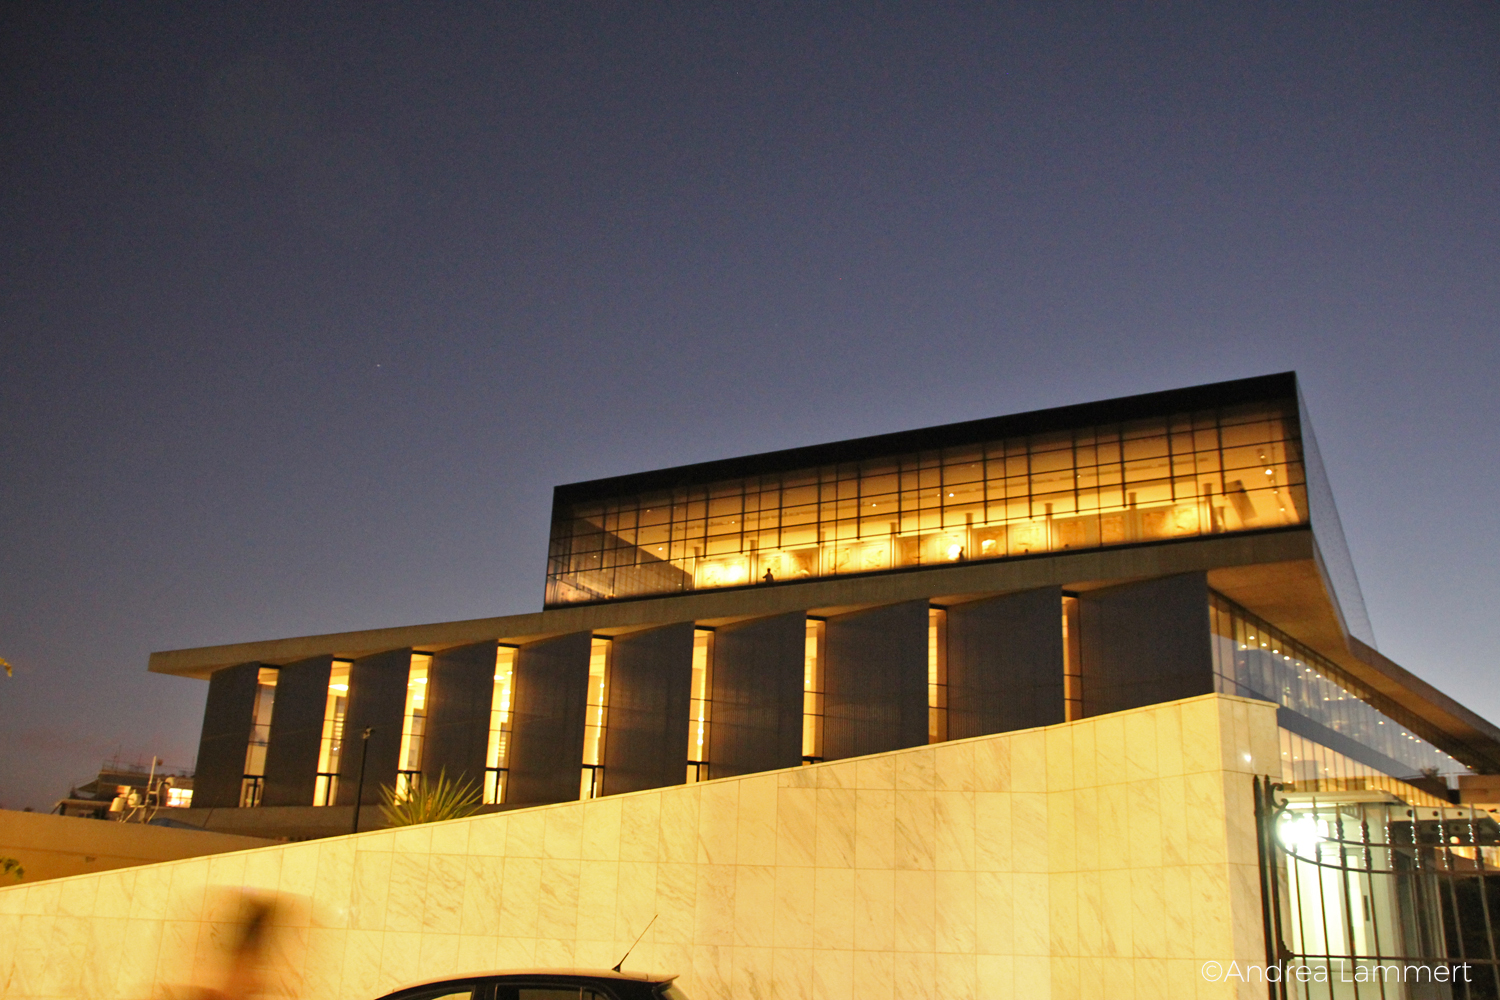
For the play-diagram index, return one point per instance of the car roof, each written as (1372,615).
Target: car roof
(632,977)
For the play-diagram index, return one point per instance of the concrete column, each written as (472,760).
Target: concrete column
(551,681)
(875,681)
(377,699)
(755,710)
(296,732)
(1145,643)
(650,688)
(460,686)
(225,737)
(1005,664)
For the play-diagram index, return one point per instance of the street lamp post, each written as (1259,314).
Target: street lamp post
(359,785)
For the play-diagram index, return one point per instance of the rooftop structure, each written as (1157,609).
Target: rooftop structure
(1081,702)
(859,597)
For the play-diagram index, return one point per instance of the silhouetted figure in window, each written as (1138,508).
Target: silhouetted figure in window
(769,577)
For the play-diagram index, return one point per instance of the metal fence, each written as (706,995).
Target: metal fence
(1366,896)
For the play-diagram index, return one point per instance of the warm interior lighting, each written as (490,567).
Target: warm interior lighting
(812,692)
(596,718)
(1072,660)
(1252,659)
(1170,477)
(497,752)
(260,736)
(331,745)
(937,675)
(698,705)
(413,725)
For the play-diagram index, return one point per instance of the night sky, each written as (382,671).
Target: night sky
(304,312)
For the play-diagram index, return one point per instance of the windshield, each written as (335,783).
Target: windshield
(671,992)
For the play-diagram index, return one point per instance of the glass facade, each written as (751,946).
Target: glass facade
(1254,660)
(937,675)
(497,753)
(703,659)
(1229,469)
(812,693)
(331,749)
(413,726)
(1308,766)
(1072,660)
(596,719)
(260,737)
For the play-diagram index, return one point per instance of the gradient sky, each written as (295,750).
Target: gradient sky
(303,313)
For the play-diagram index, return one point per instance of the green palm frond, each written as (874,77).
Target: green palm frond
(429,802)
(10,866)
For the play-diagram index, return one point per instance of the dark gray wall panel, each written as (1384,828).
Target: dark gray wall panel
(551,691)
(755,712)
(226,735)
(296,732)
(1145,643)
(377,698)
(875,681)
(650,688)
(460,686)
(1005,664)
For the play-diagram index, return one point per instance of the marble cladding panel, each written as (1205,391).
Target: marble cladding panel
(1103,858)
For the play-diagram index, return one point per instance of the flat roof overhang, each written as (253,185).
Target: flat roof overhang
(1276,574)
(1260,388)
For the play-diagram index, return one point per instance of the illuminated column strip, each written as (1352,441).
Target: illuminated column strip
(296,731)
(497,752)
(331,745)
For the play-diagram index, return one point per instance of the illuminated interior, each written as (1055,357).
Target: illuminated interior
(331,747)
(1311,767)
(1233,469)
(703,657)
(937,675)
(812,693)
(1072,660)
(260,737)
(596,718)
(413,726)
(497,753)
(1254,660)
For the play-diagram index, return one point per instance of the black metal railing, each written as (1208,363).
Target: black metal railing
(251,788)
(1375,897)
(326,788)
(494,784)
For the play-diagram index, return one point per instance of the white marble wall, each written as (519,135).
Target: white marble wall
(1092,859)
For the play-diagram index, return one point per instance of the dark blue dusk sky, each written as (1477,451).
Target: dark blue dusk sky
(304,309)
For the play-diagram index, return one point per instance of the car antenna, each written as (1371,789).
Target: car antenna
(634,943)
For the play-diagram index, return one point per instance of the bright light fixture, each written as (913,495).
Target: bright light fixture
(1300,836)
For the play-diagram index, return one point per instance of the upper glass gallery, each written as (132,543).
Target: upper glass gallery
(1189,463)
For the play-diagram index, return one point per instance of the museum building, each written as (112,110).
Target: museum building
(1080,703)
(847,599)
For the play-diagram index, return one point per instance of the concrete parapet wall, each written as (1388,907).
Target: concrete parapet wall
(1110,857)
(57,846)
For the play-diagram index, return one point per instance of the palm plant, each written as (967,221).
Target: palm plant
(429,801)
(10,866)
